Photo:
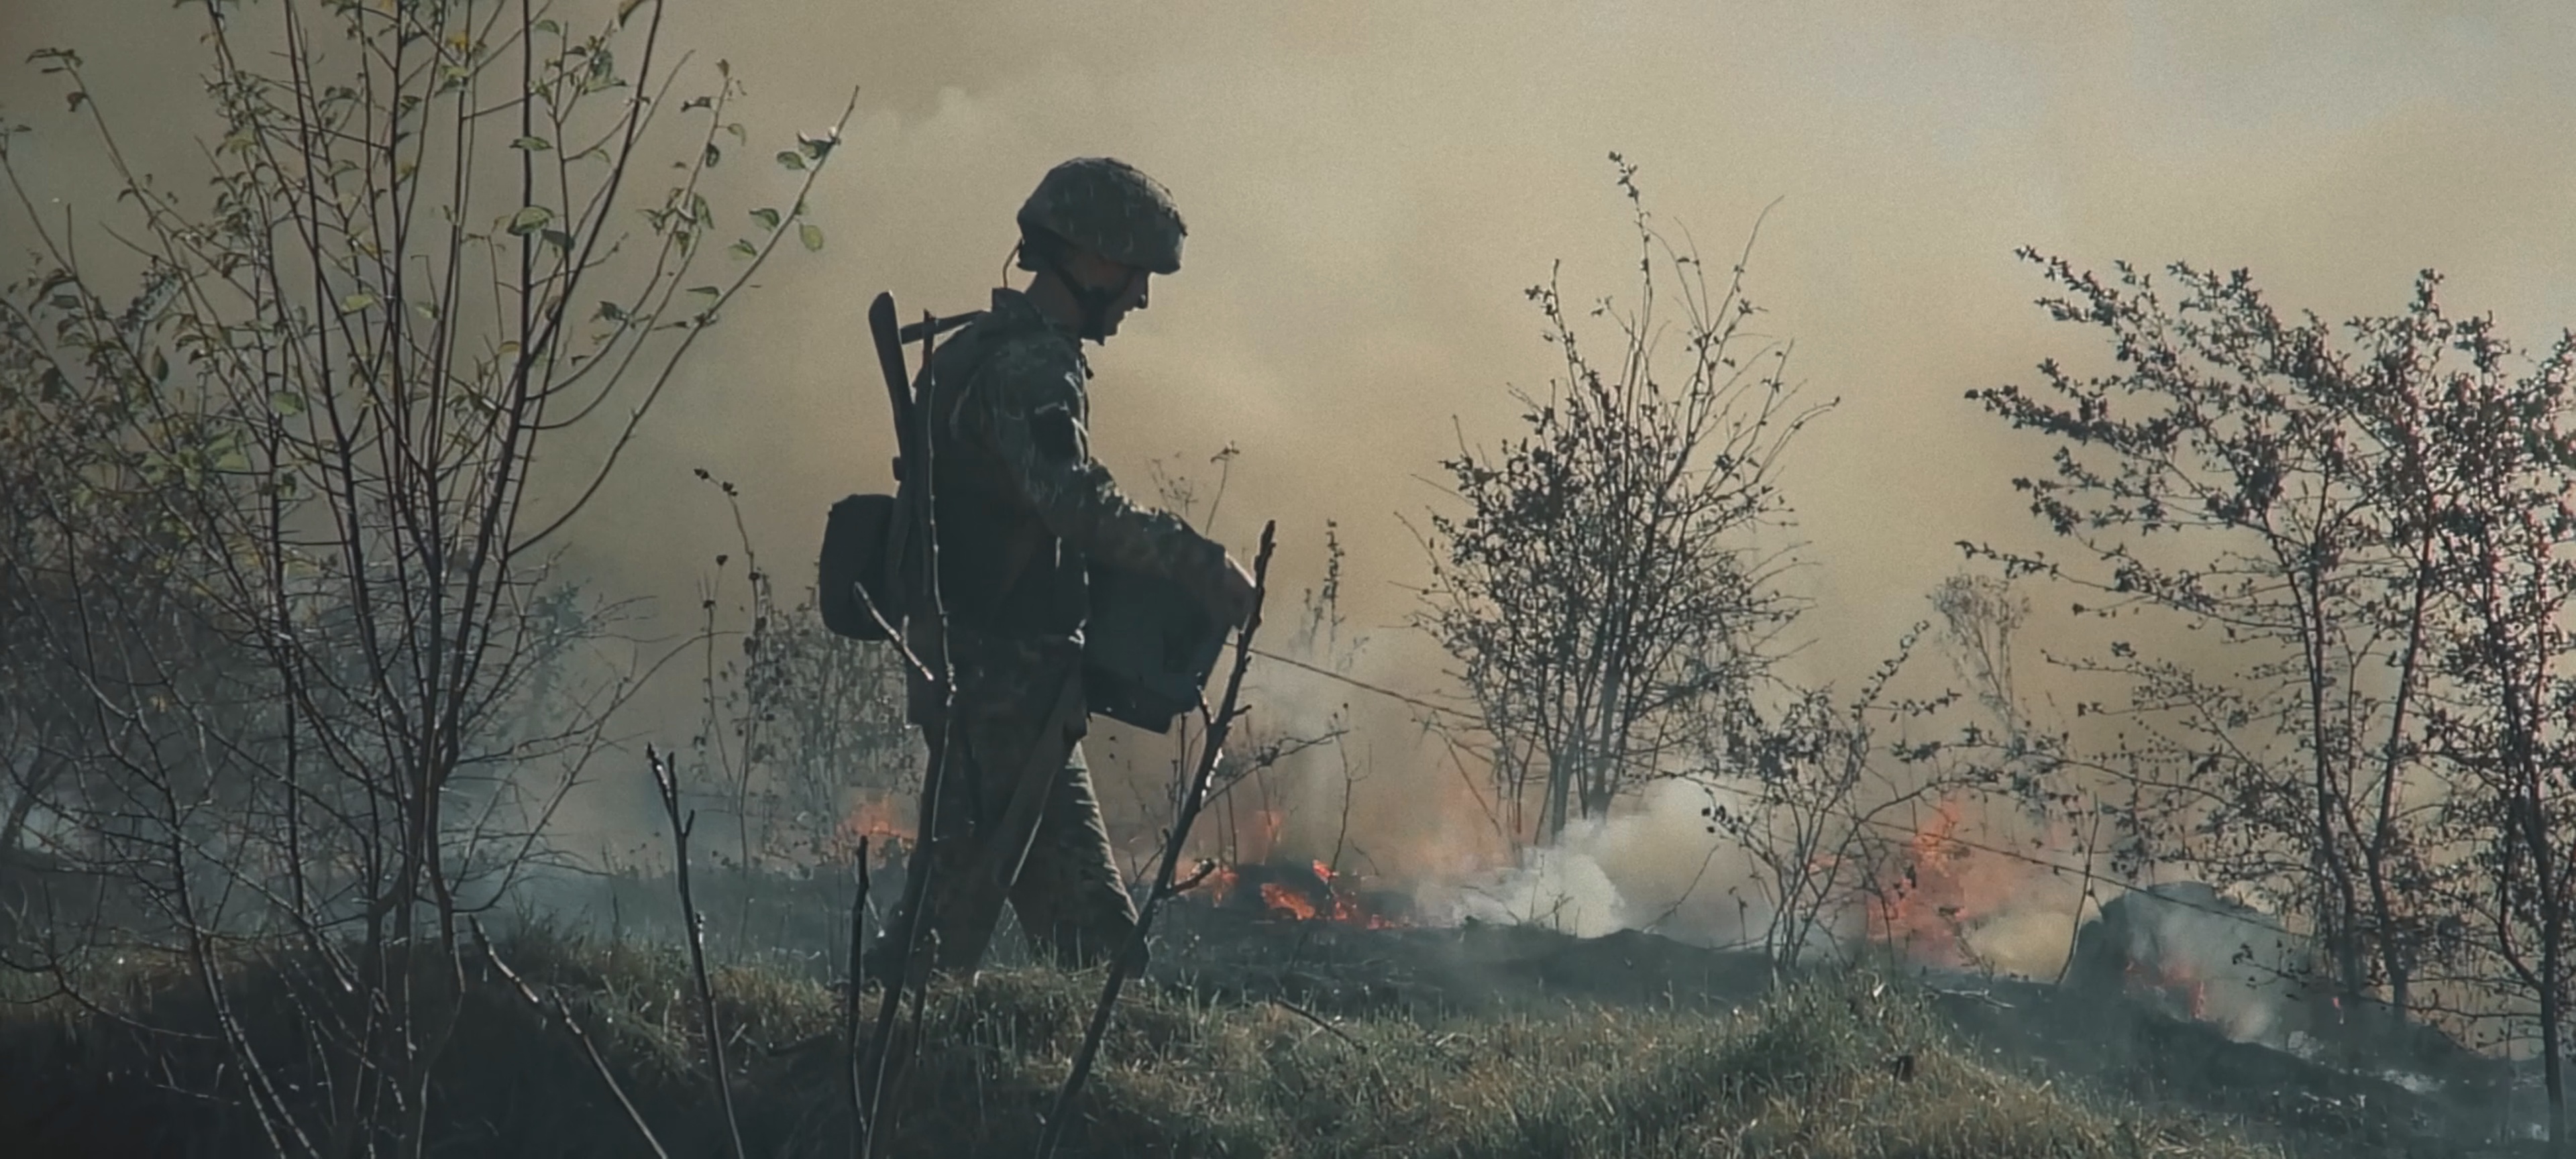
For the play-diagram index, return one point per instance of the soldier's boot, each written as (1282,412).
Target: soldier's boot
(879,964)
(1071,900)
(952,855)
(938,950)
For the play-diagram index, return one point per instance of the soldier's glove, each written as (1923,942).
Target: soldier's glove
(1235,593)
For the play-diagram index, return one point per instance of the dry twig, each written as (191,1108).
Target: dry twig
(1194,796)
(668,784)
(850,1007)
(572,1026)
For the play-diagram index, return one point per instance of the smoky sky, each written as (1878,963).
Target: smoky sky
(1370,187)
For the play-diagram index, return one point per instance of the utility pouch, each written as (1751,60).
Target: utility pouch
(854,571)
(1148,650)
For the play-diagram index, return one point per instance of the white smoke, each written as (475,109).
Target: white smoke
(2232,965)
(1653,865)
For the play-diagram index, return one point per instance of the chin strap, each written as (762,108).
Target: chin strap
(1092,300)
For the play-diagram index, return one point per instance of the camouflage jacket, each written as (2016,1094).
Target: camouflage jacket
(1022,507)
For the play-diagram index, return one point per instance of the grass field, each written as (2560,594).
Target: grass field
(1835,1067)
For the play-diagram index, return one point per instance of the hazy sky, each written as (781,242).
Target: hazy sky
(1370,187)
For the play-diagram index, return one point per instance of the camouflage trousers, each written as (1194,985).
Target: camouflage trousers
(1070,899)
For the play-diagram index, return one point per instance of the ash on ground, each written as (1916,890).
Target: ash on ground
(1328,950)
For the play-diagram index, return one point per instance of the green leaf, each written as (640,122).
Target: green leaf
(286,402)
(601,73)
(791,159)
(626,8)
(558,239)
(812,235)
(612,312)
(744,248)
(713,155)
(698,102)
(530,219)
(549,26)
(75,97)
(160,367)
(710,291)
(356,302)
(532,144)
(768,219)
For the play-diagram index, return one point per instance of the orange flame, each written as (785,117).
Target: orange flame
(1220,883)
(1943,887)
(1294,901)
(2177,982)
(1284,900)
(875,818)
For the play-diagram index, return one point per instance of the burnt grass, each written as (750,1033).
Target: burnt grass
(1250,1037)
(2127,1057)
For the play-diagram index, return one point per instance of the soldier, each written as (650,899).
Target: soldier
(1021,509)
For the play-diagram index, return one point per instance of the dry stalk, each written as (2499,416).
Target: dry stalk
(1319,1022)
(850,1008)
(571,1025)
(665,781)
(1194,796)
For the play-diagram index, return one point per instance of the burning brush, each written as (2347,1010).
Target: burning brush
(1301,892)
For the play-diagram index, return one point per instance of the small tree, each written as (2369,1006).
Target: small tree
(295,571)
(2502,449)
(798,721)
(1818,786)
(2240,476)
(1601,587)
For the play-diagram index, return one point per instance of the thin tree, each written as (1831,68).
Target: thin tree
(418,280)
(2505,559)
(2227,478)
(1598,580)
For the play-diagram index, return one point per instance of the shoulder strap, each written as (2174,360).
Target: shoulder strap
(926,410)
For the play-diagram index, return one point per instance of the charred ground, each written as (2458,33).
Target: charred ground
(1259,1033)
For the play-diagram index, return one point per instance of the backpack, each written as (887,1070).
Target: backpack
(868,548)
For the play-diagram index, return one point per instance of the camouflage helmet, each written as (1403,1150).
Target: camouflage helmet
(1111,208)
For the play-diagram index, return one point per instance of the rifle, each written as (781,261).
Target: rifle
(1003,839)
(890,343)
(866,538)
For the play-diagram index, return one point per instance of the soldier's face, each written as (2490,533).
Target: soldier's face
(1101,273)
(1132,297)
